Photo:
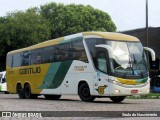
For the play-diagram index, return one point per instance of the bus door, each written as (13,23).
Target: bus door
(102,66)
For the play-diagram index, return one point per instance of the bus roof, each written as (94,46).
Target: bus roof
(106,35)
(113,36)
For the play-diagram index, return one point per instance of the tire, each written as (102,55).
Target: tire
(52,97)
(20,91)
(84,93)
(117,99)
(27,91)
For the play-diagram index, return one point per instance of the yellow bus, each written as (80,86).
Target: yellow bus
(88,64)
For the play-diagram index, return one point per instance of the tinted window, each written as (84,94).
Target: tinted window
(102,62)
(48,54)
(91,42)
(9,60)
(77,51)
(16,60)
(26,58)
(61,52)
(36,56)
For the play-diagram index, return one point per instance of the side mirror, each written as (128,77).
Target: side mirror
(109,49)
(153,56)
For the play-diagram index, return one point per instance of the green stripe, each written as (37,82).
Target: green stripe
(142,80)
(55,75)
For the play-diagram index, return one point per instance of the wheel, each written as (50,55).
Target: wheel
(20,91)
(84,93)
(52,97)
(117,99)
(27,91)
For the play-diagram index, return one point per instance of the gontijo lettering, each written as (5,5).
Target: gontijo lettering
(30,70)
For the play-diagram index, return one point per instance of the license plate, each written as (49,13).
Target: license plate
(134,91)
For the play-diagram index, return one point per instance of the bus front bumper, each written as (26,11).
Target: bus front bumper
(116,90)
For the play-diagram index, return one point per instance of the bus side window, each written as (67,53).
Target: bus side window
(36,56)
(101,62)
(48,54)
(10,60)
(25,58)
(77,51)
(61,52)
(17,60)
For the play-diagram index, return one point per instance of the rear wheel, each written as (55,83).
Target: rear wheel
(84,93)
(20,91)
(52,97)
(117,99)
(27,92)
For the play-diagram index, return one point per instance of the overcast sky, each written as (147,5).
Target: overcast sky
(126,14)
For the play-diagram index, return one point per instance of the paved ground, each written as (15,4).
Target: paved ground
(11,102)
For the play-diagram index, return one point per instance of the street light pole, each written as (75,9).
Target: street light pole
(147,22)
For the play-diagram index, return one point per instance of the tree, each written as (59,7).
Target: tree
(22,29)
(73,18)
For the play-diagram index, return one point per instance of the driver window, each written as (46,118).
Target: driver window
(102,62)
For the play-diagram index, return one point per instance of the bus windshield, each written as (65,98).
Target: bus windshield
(128,59)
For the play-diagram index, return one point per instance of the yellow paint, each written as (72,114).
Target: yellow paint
(127,81)
(106,35)
(34,80)
(101,89)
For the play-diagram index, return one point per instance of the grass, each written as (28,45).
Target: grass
(149,96)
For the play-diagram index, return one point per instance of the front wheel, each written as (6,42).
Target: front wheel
(117,99)
(84,93)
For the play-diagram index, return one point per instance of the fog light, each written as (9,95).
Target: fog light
(117,91)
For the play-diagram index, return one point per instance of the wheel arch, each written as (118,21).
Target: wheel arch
(80,83)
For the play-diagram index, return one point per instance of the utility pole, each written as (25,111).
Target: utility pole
(147,23)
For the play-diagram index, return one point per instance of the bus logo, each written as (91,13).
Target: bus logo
(30,70)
